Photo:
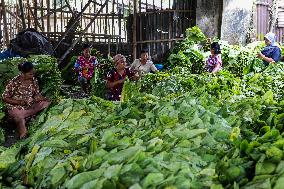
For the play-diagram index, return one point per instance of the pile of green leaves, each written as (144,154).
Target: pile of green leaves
(142,143)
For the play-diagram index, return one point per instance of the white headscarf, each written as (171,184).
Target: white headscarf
(271,37)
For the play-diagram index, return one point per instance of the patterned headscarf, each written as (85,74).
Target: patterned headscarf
(118,57)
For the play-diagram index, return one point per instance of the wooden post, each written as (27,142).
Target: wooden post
(35,19)
(74,23)
(6,34)
(82,33)
(134,43)
(35,14)
(109,45)
(22,15)
(48,18)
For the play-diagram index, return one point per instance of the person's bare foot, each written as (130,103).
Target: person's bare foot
(23,135)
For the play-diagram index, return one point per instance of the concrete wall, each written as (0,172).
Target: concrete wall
(208,16)
(237,15)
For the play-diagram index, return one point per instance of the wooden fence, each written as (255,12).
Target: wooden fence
(117,24)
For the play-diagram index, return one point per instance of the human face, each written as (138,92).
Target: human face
(29,75)
(87,52)
(212,51)
(144,56)
(120,64)
(267,42)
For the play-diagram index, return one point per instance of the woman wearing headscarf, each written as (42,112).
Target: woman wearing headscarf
(271,53)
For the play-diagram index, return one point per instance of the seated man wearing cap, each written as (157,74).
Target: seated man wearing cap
(116,78)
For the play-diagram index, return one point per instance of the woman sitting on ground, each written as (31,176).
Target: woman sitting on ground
(22,97)
(271,53)
(85,66)
(214,61)
(116,78)
(143,65)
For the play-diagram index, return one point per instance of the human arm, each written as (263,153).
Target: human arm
(111,84)
(217,68)
(37,95)
(153,68)
(264,58)
(77,66)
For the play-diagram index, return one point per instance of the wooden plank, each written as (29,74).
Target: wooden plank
(48,17)
(5,26)
(74,23)
(36,21)
(54,17)
(82,33)
(160,40)
(52,12)
(28,15)
(61,18)
(35,14)
(22,15)
(134,28)
(69,7)
(42,12)
(14,15)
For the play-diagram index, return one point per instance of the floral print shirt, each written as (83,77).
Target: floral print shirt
(212,61)
(86,67)
(17,91)
(114,93)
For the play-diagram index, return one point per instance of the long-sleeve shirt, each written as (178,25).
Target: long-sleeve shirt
(86,67)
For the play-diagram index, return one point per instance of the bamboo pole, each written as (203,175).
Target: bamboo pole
(82,33)
(35,19)
(5,28)
(74,23)
(22,15)
(134,28)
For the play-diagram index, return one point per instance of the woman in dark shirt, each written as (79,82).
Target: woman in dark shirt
(271,53)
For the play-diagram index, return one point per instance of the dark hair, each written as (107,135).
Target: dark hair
(144,51)
(86,46)
(216,47)
(25,67)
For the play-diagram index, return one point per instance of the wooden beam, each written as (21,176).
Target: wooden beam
(22,14)
(48,17)
(35,14)
(74,23)
(160,40)
(52,12)
(69,7)
(6,33)
(134,29)
(13,15)
(82,33)
(36,20)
